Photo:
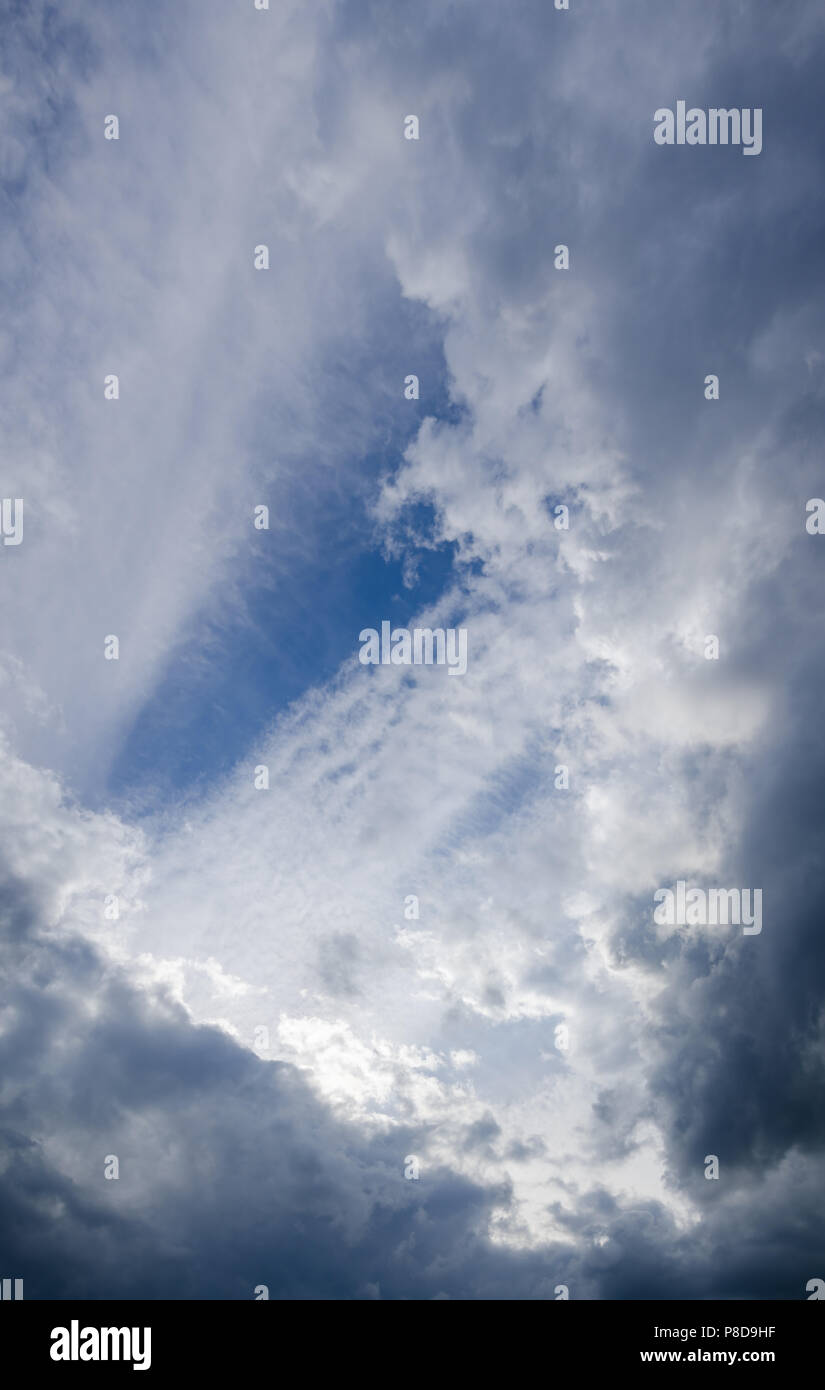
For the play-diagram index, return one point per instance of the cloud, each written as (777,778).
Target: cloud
(547,1156)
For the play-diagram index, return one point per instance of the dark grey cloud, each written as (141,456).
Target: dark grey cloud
(233,1174)
(743,1068)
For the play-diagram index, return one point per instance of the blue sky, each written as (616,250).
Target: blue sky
(267,1031)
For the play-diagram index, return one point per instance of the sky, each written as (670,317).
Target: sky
(402,1025)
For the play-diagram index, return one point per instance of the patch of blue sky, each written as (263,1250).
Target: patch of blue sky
(242,665)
